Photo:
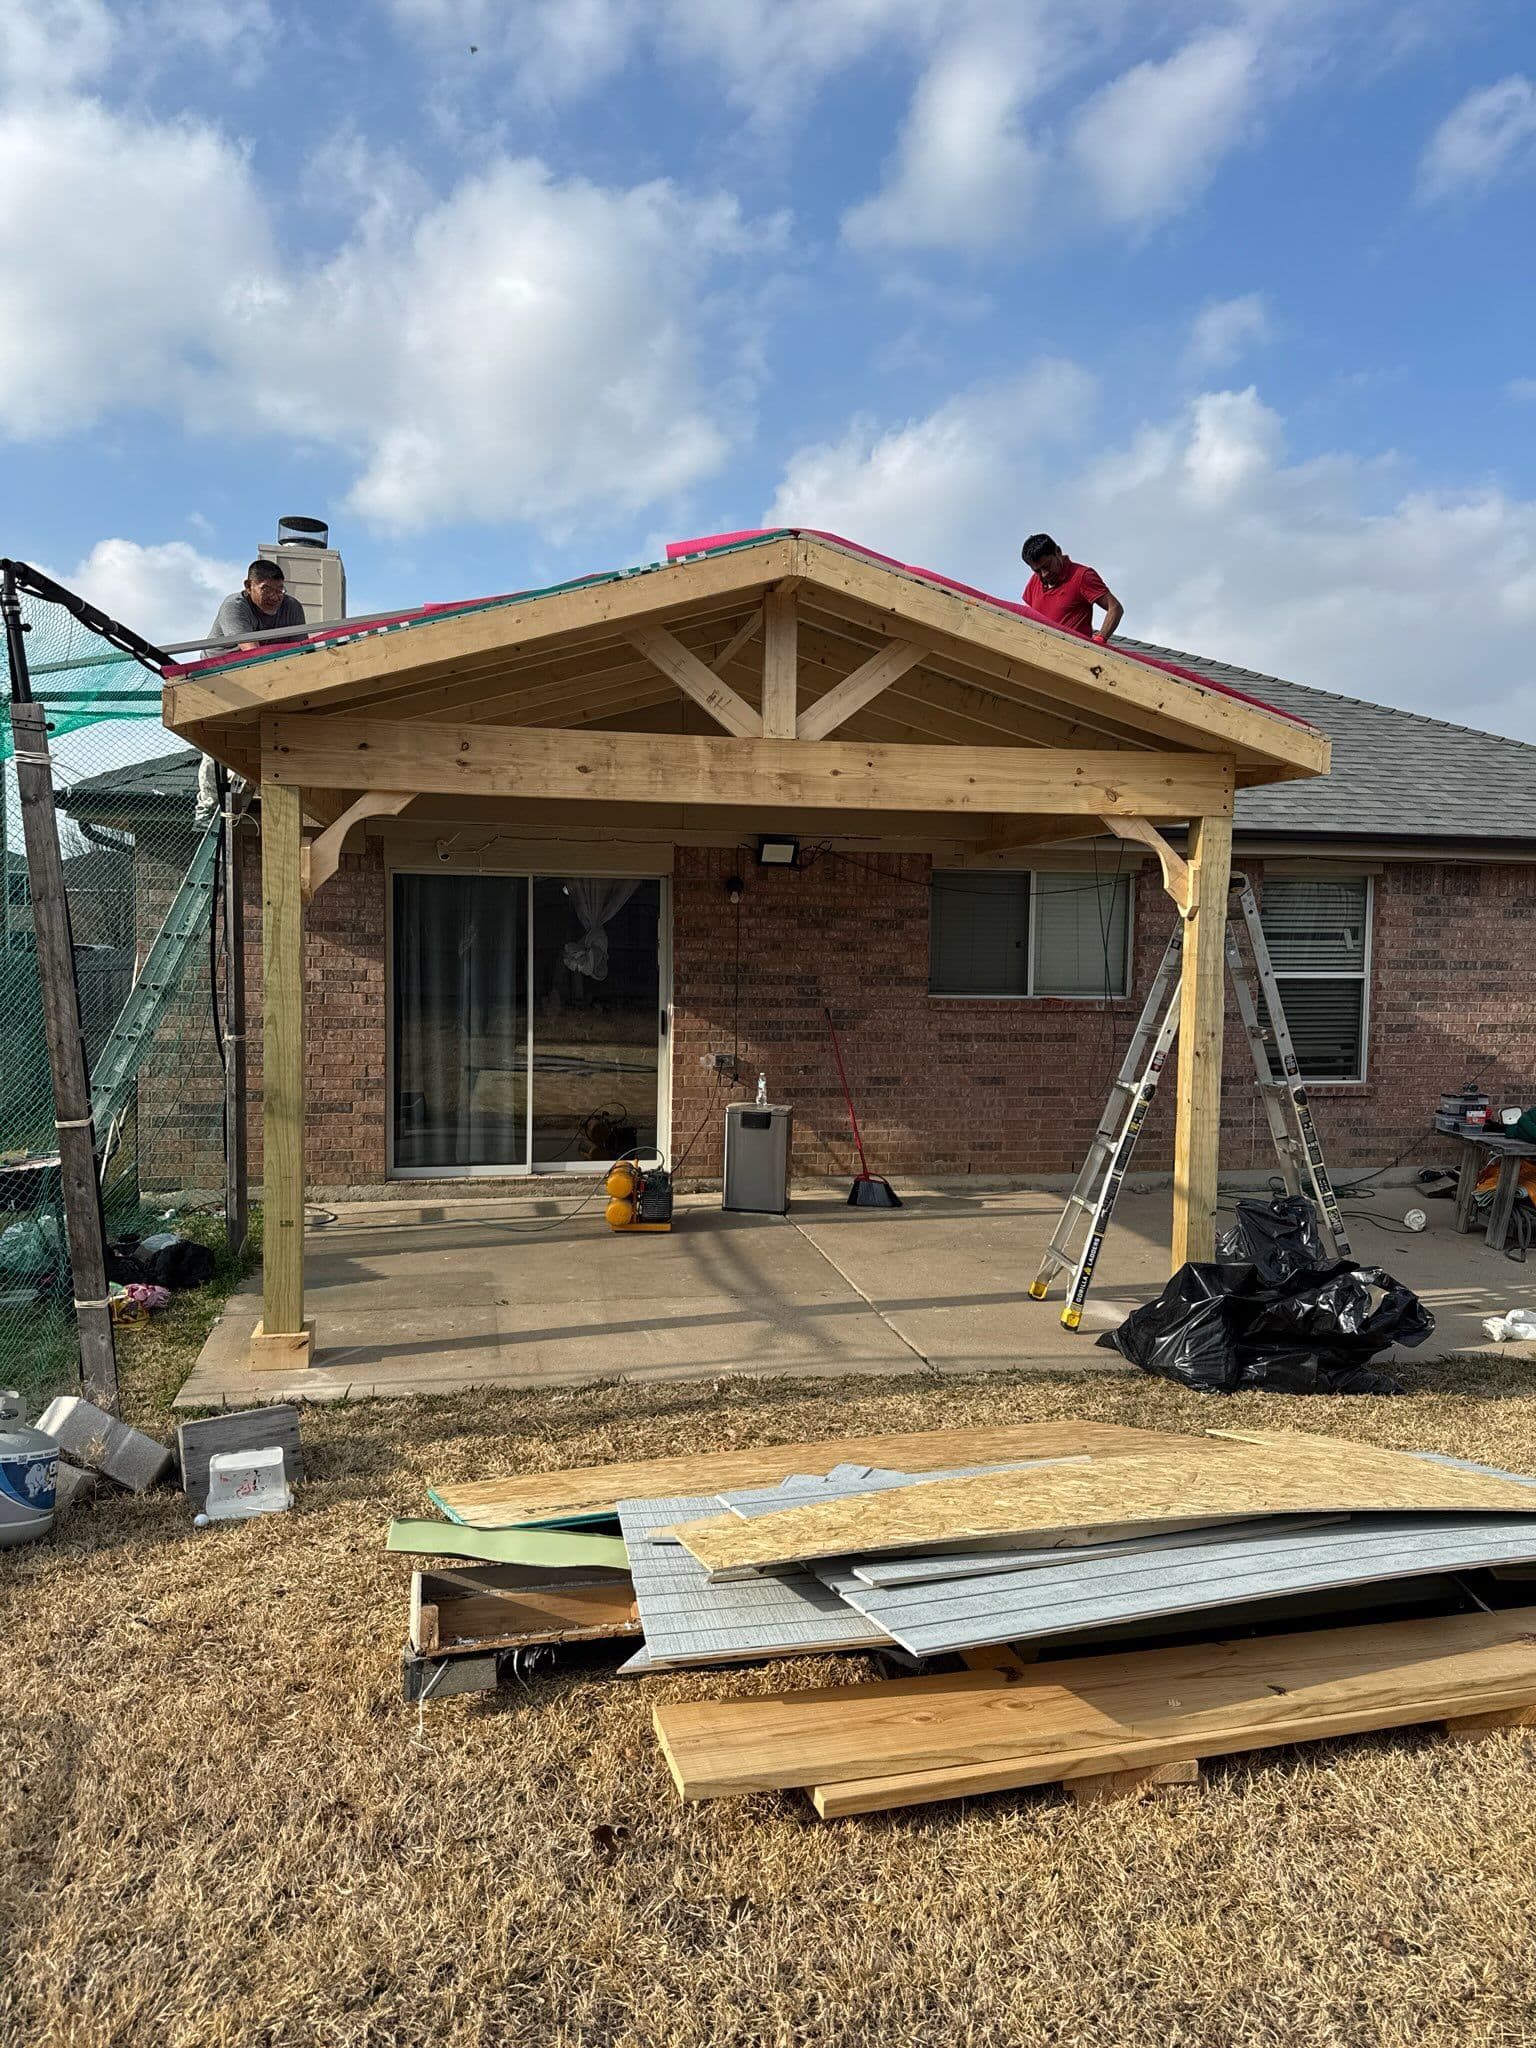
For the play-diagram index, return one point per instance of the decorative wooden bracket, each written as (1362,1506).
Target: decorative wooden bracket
(321,857)
(1179,879)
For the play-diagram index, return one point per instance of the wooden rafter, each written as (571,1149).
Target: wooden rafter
(706,689)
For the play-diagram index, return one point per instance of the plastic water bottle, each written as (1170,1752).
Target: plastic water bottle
(762,1091)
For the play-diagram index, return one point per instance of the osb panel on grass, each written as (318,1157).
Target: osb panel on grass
(1099,1714)
(597,1489)
(1182,1483)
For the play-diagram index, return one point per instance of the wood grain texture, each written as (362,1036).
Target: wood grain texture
(282,1102)
(781,664)
(1187,1483)
(858,689)
(597,1489)
(1202,1011)
(1056,1721)
(667,653)
(602,766)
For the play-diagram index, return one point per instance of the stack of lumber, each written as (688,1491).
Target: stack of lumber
(1068,1596)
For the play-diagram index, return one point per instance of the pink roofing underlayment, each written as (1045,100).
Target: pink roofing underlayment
(680,550)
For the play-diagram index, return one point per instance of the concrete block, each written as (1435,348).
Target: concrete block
(91,1437)
(250,1429)
(76,1487)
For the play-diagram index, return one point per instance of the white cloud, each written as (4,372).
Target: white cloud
(50,46)
(525,347)
(1328,571)
(167,591)
(1522,388)
(966,173)
(122,245)
(940,489)
(1225,329)
(1151,140)
(1485,135)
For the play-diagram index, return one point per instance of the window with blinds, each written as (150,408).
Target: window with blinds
(1047,934)
(1318,933)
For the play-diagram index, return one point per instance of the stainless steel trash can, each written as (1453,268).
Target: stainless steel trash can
(757,1157)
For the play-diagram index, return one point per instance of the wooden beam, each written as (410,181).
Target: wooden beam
(1178,877)
(620,767)
(1197,1140)
(282,1078)
(1062,663)
(669,654)
(781,665)
(855,691)
(329,672)
(319,860)
(747,630)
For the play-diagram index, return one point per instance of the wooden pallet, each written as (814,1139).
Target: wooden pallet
(1101,1718)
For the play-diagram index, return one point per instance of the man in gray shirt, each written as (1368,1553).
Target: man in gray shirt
(261,603)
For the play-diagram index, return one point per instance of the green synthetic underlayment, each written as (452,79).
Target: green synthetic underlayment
(549,1548)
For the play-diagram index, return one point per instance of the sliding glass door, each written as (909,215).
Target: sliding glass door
(527,1015)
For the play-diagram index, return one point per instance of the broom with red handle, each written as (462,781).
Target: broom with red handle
(868,1191)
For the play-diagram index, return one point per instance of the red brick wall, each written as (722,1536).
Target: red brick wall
(345,1011)
(943,1085)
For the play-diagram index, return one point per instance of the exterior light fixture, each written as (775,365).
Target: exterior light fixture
(733,888)
(778,853)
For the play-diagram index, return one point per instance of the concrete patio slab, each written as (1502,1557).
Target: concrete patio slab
(435,1297)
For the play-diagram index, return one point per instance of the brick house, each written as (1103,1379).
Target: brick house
(983,998)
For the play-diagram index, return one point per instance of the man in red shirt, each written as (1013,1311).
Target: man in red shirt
(1065,592)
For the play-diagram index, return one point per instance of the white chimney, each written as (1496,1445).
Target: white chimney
(312,569)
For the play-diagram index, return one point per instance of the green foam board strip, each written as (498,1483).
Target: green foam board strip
(548,1547)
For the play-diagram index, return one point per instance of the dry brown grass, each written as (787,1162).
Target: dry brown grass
(220,1825)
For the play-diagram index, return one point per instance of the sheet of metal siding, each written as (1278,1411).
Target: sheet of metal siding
(1024,1606)
(934,1565)
(687,1620)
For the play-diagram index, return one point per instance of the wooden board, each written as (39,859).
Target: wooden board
(460,1613)
(1186,1483)
(507,1546)
(1050,1722)
(593,1490)
(604,766)
(1202,1012)
(251,1429)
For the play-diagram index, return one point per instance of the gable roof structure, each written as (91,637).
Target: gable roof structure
(623,652)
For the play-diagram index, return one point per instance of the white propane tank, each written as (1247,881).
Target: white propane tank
(29,1475)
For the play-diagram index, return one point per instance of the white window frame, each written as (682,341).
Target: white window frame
(1031,994)
(1362,973)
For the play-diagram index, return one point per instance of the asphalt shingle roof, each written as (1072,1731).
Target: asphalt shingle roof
(1396,774)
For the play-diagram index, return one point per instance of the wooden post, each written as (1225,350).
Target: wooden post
(282,1337)
(236,1167)
(780,665)
(61,1020)
(1197,1143)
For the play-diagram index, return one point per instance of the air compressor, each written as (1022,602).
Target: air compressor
(639,1197)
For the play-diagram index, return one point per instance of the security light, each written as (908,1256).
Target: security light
(778,853)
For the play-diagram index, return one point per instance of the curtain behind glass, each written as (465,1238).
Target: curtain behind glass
(460,1020)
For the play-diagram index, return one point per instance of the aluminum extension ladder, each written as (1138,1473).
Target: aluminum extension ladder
(1297,1145)
(115,1068)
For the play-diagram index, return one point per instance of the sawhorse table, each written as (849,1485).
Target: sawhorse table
(1476,1140)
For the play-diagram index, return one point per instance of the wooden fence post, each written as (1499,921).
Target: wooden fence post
(61,1018)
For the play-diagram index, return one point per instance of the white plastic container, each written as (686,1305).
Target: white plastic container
(29,1476)
(246,1483)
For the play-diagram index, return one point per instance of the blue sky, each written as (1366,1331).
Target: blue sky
(1234,296)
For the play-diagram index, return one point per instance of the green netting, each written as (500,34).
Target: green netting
(126,793)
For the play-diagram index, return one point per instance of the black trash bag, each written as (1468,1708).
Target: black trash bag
(1278,1238)
(123,1261)
(175,1262)
(1219,1327)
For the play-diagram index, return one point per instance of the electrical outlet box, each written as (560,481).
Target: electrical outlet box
(725,1063)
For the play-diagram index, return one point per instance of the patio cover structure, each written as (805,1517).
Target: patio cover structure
(768,682)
